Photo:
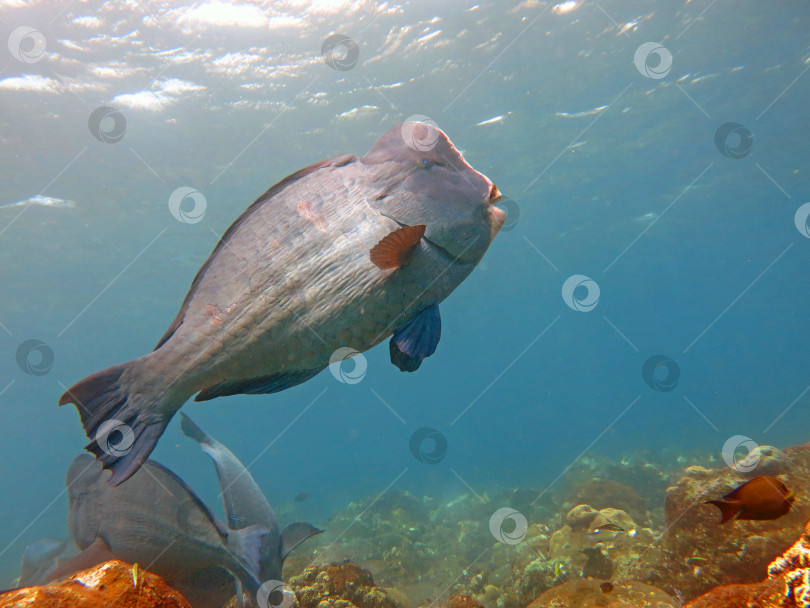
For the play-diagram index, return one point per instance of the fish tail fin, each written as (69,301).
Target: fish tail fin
(208,444)
(728,509)
(192,431)
(121,422)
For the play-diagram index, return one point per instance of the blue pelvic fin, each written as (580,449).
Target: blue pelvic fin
(416,339)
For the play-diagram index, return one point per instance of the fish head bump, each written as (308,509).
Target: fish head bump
(431,183)
(84,474)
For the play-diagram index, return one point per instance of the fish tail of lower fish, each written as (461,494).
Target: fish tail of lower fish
(122,415)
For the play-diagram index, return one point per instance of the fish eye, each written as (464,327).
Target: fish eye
(425,163)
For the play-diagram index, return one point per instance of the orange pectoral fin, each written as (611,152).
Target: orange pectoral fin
(395,249)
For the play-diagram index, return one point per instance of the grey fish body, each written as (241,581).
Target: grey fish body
(292,280)
(154,520)
(246,505)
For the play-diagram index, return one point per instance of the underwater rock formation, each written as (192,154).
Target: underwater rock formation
(417,544)
(580,516)
(592,593)
(112,584)
(701,554)
(340,585)
(456,601)
(607,545)
(606,493)
(787,585)
(764,460)
(760,595)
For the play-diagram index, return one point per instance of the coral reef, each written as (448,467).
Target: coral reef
(416,544)
(764,460)
(794,568)
(786,586)
(604,493)
(456,601)
(113,584)
(580,517)
(700,554)
(760,595)
(588,549)
(590,593)
(340,585)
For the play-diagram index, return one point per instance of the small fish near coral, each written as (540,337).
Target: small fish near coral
(762,498)
(605,532)
(343,253)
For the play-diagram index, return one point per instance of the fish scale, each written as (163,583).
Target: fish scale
(344,253)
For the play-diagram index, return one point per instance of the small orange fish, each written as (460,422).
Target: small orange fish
(763,497)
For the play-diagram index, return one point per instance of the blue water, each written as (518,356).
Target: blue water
(696,254)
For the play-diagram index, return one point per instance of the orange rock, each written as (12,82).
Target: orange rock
(112,584)
(759,595)
(591,593)
(785,587)
(462,601)
(347,574)
(339,584)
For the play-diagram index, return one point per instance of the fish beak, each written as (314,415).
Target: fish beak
(497,216)
(494,194)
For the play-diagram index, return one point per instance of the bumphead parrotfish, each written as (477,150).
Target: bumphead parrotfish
(158,521)
(343,253)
